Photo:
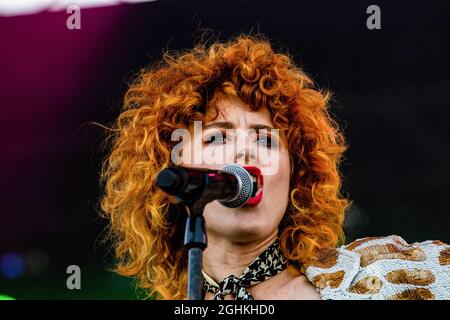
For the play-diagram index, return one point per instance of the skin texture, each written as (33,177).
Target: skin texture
(236,236)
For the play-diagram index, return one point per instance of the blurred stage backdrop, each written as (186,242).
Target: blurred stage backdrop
(392,96)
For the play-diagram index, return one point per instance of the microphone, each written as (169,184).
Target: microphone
(233,186)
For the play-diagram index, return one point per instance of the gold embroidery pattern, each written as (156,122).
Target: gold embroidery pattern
(367,285)
(416,277)
(413,294)
(418,271)
(332,280)
(375,253)
(444,257)
(359,242)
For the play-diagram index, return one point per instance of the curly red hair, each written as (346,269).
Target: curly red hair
(147,227)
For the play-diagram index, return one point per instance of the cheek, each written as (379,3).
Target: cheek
(277,185)
(282,171)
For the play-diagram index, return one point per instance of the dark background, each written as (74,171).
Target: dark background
(391,95)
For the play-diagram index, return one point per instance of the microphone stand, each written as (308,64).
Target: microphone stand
(195,241)
(195,199)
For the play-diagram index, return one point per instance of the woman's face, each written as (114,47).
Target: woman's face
(221,141)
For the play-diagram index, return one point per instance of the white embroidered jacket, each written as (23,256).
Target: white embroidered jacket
(382,268)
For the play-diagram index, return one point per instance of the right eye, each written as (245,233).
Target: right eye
(216,138)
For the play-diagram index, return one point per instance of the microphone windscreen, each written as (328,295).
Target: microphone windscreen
(169,181)
(245,186)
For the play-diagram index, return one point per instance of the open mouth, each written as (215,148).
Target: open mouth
(258,184)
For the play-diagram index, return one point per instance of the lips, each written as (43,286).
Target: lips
(256,174)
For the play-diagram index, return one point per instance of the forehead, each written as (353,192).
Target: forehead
(236,111)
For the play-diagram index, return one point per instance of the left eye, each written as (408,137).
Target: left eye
(265,141)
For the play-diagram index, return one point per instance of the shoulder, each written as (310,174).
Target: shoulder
(383,268)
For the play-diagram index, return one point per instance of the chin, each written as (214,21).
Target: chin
(250,228)
(247,223)
(245,235)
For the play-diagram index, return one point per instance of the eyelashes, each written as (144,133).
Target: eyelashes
(265,140)
(220,138)
(216,138)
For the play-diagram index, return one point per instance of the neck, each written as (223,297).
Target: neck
(223,257)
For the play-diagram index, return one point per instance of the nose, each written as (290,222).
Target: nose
(245,154)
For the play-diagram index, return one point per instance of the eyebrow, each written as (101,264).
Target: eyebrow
(229,125)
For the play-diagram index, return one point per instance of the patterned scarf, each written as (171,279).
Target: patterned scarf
(268,264)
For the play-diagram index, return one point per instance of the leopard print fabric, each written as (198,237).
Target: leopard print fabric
(383,268)
(268,264)
(372,268)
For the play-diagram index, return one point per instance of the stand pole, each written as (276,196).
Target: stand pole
(195,241)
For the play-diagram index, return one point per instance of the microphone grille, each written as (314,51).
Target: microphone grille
(245,189)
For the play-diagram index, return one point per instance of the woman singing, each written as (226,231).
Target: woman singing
(287,241)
